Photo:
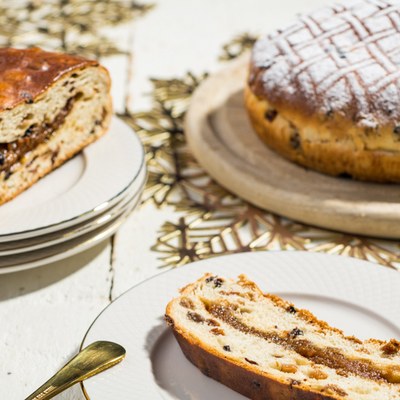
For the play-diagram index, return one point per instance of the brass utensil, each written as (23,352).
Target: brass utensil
(93,359)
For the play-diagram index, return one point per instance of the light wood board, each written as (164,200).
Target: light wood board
(222,139)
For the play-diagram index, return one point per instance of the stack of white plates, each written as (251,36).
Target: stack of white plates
(77,206)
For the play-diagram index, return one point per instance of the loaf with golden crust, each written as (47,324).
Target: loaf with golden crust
(268,349)
(51,106)
(324,92)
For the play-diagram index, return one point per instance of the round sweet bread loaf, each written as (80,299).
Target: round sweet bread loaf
(324,92)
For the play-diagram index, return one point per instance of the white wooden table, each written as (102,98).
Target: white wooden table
(45,312)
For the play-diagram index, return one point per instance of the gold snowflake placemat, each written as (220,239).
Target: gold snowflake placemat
(215,222)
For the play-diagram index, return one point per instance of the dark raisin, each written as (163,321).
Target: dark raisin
(7,175)
(295,140)
(295,332)
(169,320)
(27,96)
(345,175)
(2,159)
(270,114)
(329,113)
(195,317)
(291,310)
(227,348)
(251,361)
(293,382)
(54,156)
(210,279)
(256,384)
(396,130)
(29,131)
(218,282)
(97,122)
(389,111)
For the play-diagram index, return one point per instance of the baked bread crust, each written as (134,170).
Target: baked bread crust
(325,91)
(52,106)
(26,73)
(229,330)
(335,148)
(241,378)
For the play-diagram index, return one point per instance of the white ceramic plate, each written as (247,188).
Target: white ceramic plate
(84,187)
(361,298)
(63,235)
(33,259)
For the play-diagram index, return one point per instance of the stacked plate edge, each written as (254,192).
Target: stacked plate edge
(77,206)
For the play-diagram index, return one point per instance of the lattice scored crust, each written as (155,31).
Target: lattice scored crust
(341,59)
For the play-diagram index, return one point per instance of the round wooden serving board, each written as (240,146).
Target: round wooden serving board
(222,139)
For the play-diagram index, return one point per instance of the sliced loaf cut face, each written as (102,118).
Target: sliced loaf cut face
(266,348)
(52,105)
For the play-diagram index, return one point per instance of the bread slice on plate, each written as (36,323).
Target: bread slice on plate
(266,348)
(51,106)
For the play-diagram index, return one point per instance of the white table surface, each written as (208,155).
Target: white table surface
(45,312)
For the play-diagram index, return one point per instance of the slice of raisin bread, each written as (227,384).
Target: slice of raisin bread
(52,105)
(265,348)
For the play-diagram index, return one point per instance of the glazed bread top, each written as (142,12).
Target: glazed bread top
(26,73)
(36,85)
(343,59)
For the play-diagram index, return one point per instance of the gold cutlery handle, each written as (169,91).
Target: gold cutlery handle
(93,359)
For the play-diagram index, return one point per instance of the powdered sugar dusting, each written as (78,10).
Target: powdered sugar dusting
(344,58)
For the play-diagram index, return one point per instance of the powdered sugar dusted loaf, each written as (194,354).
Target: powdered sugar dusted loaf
(324,92)
(344,58)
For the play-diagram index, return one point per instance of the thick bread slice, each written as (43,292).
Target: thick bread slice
(265,348)
(51,106)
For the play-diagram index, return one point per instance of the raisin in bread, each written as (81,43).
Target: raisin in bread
(265,348)
(51,106)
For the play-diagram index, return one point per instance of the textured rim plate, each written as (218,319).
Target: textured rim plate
(84,187)
(359,297)
(222,139)
(53,238)
(66,249)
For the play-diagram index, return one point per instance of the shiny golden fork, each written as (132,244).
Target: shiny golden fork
(93,359)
